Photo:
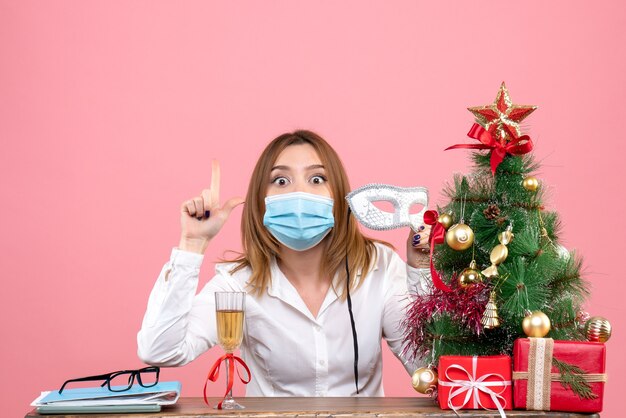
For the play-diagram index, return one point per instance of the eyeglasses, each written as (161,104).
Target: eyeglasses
(123,380)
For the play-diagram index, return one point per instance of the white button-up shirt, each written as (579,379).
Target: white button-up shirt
(288,350)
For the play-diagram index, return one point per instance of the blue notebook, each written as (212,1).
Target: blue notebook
(163,393)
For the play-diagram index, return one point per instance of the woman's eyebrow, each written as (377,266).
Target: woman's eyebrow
(287,168)
(315,167)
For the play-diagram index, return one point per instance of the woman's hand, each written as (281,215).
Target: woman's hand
(202,217)
(418,248)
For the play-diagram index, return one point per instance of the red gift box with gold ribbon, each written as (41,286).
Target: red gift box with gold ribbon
(540,374)
(475,382)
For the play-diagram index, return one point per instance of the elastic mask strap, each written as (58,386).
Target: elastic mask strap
(354,336)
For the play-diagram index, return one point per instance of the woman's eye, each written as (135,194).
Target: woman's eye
(318,179)
(280,181)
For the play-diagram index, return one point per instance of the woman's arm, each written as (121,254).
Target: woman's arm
(398,297)
(179,325)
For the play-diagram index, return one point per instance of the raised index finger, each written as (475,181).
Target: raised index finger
(215,183)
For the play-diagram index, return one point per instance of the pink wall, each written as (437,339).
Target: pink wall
(110,113)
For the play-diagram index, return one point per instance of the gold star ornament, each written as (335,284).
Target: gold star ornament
(502,117)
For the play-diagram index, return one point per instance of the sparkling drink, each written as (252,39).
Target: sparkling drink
(229,329)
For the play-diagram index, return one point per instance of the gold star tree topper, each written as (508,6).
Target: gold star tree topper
(502,117)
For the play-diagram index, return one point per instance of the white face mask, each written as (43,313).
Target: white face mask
(361,202)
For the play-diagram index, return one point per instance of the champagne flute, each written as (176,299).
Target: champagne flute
(229,309)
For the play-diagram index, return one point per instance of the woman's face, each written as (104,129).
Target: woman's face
(298,169)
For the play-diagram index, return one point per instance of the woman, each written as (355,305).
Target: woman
(298,336)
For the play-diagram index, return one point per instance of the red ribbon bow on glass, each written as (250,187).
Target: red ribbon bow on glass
(215,372)
(437,235)
(519,145)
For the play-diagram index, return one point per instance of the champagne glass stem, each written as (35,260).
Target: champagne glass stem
(229,397)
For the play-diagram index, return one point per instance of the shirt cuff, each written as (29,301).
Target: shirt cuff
(418,280)
(416,271)
(186,258)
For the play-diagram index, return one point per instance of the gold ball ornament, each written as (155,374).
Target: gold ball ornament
(536,325)
(460,237)
(470,276)
(530,183)
(424,380)
(445,220)
(598,329)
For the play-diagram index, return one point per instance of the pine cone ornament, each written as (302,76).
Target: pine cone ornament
(492,212)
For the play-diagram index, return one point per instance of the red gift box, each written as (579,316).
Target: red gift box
(537,385)
(472,382)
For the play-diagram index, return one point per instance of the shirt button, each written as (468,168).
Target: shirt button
(322,362)
(317,328)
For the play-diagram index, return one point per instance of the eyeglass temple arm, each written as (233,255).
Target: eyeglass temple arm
(86,379)
(107,376)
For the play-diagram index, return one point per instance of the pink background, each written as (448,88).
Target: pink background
(110,113)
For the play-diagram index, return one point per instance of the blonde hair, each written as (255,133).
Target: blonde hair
(259,246)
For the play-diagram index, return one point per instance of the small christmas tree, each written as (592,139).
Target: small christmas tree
(501,259)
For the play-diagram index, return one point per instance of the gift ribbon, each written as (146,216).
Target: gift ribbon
(557,377)
(472,386)
(214,373)
(539,369)
(437,234)
(517,146)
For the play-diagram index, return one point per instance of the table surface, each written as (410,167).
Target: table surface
(324,407)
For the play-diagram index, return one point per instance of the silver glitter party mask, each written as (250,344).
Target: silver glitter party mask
(361,202)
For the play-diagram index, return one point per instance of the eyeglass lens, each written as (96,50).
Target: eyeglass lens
(124,380)
(148,377)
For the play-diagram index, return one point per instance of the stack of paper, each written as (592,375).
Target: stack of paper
(101,399)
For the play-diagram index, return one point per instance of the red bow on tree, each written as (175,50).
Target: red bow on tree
(517,146)
(437,235)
